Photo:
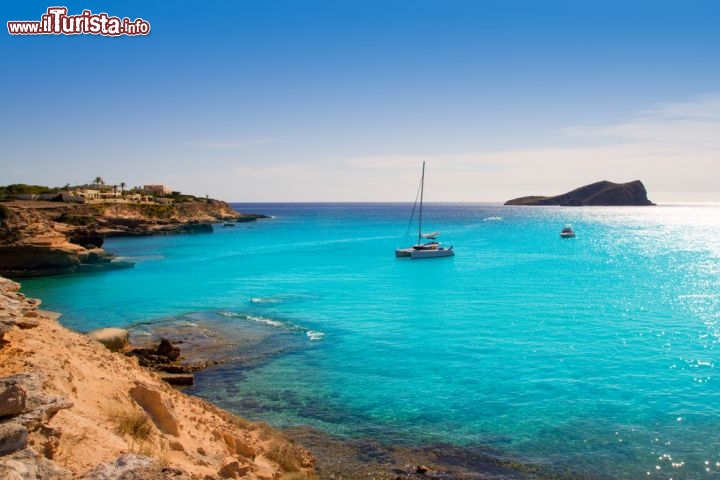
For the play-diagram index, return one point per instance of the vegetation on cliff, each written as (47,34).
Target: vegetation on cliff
(24,189)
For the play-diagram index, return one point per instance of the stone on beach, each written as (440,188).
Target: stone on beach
(115,339)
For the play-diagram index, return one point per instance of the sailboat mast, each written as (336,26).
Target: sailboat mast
(422,187)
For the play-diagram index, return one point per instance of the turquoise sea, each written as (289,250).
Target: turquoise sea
(594,356)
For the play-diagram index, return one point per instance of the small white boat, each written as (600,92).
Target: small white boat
(427,245)
(567,232)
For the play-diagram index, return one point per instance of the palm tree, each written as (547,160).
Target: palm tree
(122,188)
(99,182)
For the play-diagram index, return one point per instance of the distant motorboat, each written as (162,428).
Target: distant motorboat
(567,232)
(427,245)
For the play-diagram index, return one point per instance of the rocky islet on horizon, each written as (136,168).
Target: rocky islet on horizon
(603,193)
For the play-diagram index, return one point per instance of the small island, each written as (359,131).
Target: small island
(603,193)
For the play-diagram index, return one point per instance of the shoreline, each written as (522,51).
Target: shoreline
(386,459)
(66,359)
(337,456)
(82,412)
(40,238)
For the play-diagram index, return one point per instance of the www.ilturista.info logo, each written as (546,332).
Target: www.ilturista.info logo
(57,22)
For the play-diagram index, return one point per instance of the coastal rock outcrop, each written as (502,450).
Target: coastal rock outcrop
(27,408)
(27,464)
(51,238)
(76,410)
(601,193)
(12,398)
(32,244)
(132,466)
(13,437)
(166,361)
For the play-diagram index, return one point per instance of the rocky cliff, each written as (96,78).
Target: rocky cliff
(69,408)
(47,238)
(602,193)
(32,244)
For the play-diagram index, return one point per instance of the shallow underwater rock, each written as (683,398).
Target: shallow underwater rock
(178,378)
(167,349)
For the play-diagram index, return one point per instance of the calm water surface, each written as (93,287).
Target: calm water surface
(595,355)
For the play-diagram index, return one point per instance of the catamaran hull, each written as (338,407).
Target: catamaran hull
(441,252)
(403,252)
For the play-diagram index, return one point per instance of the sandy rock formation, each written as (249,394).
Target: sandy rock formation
(27,464)
(159,409)
(130,467)
(89,411)
(114,339)
(31,244)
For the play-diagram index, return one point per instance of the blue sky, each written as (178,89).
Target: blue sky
(343,100)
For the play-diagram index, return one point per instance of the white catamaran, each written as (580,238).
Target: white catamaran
(427,245)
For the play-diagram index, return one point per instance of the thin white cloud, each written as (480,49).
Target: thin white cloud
(693,124)
(232,144)
(703,106)
(672,147)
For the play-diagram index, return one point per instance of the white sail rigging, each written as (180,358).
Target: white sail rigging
(426,246)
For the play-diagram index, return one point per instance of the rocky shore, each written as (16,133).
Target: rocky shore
(70,408)
(201,347)
(50,238)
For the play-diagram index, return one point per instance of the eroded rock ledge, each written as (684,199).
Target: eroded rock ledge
(70,408)
(50,238)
